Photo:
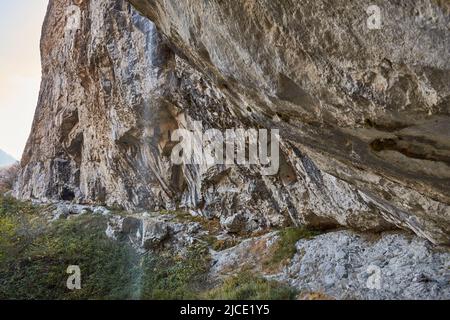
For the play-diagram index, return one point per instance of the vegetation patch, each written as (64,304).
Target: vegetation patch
(8,175)
(35,254)
(35,257)
(246,286)
(314,296)
(179,277)
(221,244)
(283,251)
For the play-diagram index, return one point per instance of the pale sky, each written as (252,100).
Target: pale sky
(20,70)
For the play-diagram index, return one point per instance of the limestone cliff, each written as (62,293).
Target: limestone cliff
(363,114)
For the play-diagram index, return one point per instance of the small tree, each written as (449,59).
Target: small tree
(8,176)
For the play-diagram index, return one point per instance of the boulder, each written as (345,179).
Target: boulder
(154,235)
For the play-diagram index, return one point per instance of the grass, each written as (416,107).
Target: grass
(35,258)
(11,207)
(284,249)
(176,278)
(246,286)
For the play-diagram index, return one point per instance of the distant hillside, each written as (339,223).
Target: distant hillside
(6,159)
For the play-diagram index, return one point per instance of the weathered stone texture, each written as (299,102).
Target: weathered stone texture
(364,114)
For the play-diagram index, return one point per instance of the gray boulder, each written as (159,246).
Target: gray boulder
(155,234)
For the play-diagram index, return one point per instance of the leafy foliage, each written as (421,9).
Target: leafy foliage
(7,177)
(167,277)
(33,262)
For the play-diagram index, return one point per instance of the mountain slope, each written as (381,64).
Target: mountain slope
(6,159)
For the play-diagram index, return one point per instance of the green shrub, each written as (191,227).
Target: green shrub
(168,277)
(36,269)
(11,207)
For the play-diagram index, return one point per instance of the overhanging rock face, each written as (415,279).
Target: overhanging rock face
(363,114)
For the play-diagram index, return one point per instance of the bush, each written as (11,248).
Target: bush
(8,176)
(167,277)
(34,264)
(13,207)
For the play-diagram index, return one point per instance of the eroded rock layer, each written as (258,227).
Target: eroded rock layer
(363,114)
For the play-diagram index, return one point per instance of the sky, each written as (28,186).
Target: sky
(20,70)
